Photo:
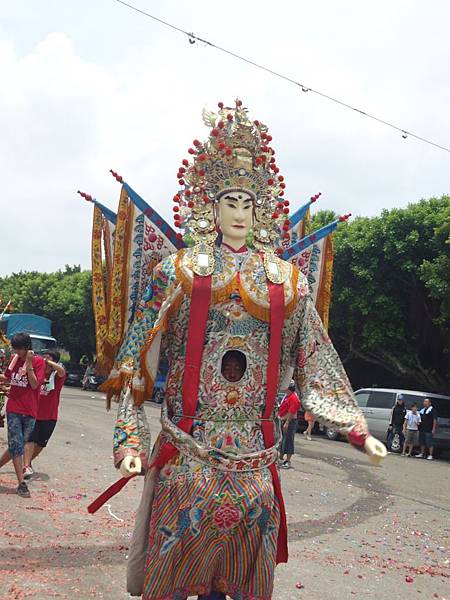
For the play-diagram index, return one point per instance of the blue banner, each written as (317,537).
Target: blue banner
(154,217)
(107,213)
(299,214)
(302,244)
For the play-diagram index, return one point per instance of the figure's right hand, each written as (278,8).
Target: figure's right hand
(130,465)
(375,450)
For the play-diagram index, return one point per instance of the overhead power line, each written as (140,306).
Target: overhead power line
(304,88)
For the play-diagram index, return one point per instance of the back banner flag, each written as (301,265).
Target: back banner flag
(314,256)
(103,226)
(150,240)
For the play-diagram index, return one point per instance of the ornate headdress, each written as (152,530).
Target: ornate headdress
(236,156)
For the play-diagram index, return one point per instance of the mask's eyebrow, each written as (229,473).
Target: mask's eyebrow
(233,199)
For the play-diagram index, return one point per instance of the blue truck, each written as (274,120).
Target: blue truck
(38,328)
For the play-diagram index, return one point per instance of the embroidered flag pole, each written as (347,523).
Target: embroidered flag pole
(314,255)
(150,239)
(323,300)
(300,222)
(119,275)
(109,219)
(300,213)
(101,216)
(290,253)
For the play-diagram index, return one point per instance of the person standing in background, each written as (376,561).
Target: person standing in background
(411,430)
(398,415)
(427,428)
(288,415)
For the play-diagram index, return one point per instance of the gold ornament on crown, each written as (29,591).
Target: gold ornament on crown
(236,156)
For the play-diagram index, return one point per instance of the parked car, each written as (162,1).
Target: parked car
(377,403)
(74,374)
(331,433)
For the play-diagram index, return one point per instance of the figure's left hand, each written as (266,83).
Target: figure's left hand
(375,450)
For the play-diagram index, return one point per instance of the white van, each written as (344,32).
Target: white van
(377,403)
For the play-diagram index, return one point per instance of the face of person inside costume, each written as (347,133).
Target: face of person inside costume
(235,217)
(233,366)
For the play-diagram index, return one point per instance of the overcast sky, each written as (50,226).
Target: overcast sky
(87,86)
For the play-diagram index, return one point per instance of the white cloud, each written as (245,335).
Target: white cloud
(74,104)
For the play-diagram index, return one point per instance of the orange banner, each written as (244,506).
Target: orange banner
(119,274)
(98,287)
(326,278)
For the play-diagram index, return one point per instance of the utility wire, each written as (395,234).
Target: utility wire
(195,38)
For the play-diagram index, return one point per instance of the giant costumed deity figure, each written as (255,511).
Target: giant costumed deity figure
(212,518)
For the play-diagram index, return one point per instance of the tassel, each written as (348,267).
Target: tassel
(138,387)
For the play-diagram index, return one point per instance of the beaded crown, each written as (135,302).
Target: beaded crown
(236,156)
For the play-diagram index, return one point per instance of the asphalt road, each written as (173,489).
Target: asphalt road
(355,531)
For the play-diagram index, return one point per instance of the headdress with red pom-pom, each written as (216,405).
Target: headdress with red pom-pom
(236,156)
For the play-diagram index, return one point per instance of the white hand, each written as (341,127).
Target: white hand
(131,465)
(375,450)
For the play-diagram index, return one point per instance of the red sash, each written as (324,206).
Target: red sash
(276,296)
(198,318)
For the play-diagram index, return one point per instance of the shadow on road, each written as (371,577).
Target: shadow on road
(374,501)
(41,557)
(40,477)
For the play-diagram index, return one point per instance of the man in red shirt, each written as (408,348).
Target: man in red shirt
(25,374)
(47,415)
(288,415)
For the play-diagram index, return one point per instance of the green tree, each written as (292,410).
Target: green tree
(64,297)
(69,306)
(435,274)
(390,306)
(322,218)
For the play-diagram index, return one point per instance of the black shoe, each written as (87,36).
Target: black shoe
(23,491)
